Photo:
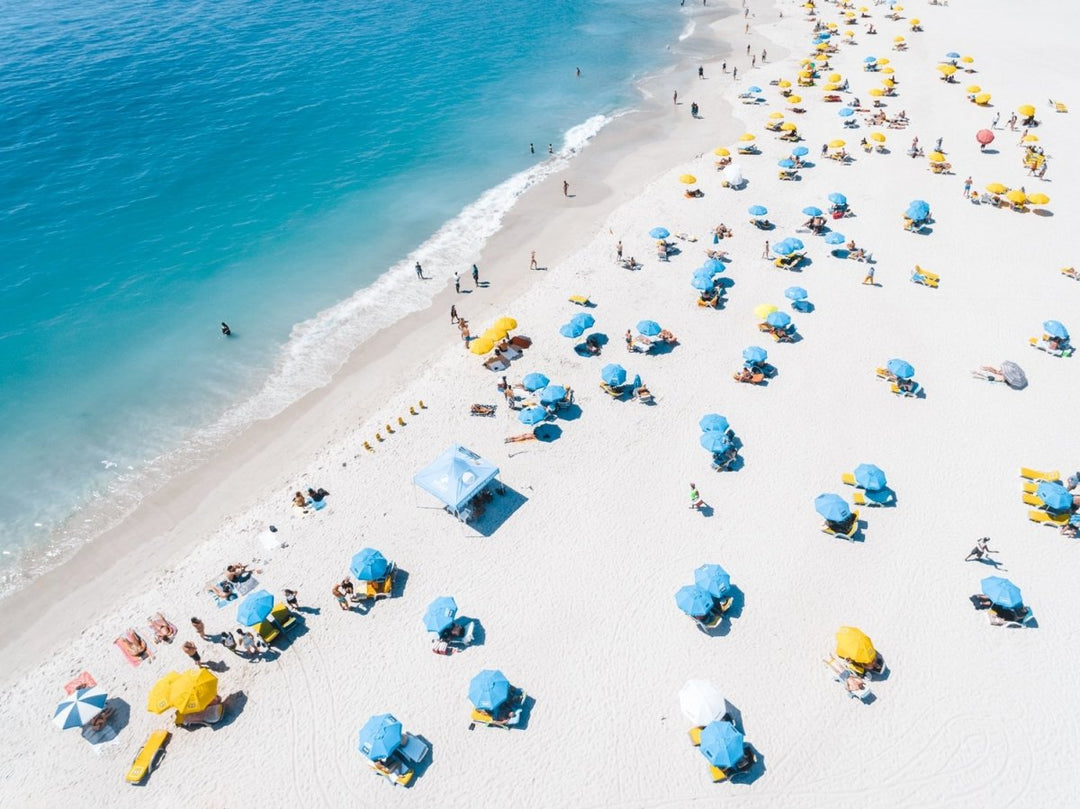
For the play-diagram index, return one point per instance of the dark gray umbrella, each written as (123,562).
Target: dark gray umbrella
(1014,375)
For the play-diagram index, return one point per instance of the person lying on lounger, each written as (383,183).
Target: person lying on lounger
(843,526)
(905,385)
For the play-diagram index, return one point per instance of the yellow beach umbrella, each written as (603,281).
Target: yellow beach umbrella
(720,151)
(1030,138)
(936,157)
(1016,197)
(687,179)
(1026,110)
(967,60)
(835,77)
(746,137)
(887,70)
(883,61)
(996,188)
(915,21)
(763,310)
(493,334)
(849,33)
(831,25)
(946,70)
(783,83)
(194,690)
(876,92)
(794,99)
(506,323)
(863,9)
(831,86)
(973,88)
(160,698)
(824,46)
(837,144)
(789,126)
(888,82)
(898,8)
(804,62)
(854,645)
(481,345)
(877,137)
(982,99)
(1038,199)
(897,39)
(776,115)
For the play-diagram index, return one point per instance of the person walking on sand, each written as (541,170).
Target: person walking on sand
(475,275)
(675,97)
(734,72)
(869,279)
(457,281)
(701,72)
(419,271)
(618,251)
(453,314)
(967,188)
(764,53)
(765,252)
(753,61)
(532,260)
(192,651)
(199,627)
(565,188)
(979,551)
(994,123)
(696,502)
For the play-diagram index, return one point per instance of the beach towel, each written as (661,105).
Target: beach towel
(84,680)
(168,623)
(132,659)
(100,738)
(239,588)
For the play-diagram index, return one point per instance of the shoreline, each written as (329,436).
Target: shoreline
(618,163)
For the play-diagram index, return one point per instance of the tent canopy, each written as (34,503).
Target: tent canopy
(455,476)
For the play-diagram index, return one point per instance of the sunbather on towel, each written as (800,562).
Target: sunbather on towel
(133,644)
(98,722)
(163,630)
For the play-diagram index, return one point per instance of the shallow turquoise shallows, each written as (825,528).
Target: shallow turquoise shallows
(171,164)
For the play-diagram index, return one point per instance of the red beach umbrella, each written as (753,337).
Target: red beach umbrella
(984,136)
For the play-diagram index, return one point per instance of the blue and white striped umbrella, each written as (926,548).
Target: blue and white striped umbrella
(80,708)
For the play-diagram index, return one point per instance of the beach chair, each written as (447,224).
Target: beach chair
(848,478)
(615,392)
(841,673)
(907,394)
(712,620)
(496,364)
(520,341)
(695,735)
(1029,487)
(486,719)
(1048,518)
(859,499)
(928,279)
(1059,106)
(1011,619)
(847,534)
(210,715)
(394,770)
(1035,474)
(1031,500)
(382,588)
(148,757)
(580,300)
(883,373)
(1070,272)
(412,749)
(283,616)
(267,631)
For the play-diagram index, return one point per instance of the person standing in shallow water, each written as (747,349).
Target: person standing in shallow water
(225,329)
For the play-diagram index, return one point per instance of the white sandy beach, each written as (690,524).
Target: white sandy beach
(572,574)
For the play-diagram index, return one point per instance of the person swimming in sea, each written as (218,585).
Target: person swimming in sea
(225,329)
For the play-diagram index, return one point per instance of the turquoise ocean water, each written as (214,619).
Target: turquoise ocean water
(168,164)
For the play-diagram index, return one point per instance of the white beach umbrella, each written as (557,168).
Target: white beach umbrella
(733,176)
(701,702)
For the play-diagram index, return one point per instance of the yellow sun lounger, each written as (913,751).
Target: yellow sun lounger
(148,758)
(484,718)
(859,499)
(848,478)
(1031,500)
(397,772)
(1046,518)
(1059,106)
(1034,474)
(717,774)
(1030,487)
(695,735)
(580,300)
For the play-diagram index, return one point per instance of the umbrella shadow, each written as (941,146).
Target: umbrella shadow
(663,347)
(548,433)
(118,720)
(756,770)
(526,712)
(803,306)
(990,151)
(500,509)
(401,578)
(422,767)
(570,412)
(479,633)
(1041,212)
(286,638)
(234,706)
(216,666)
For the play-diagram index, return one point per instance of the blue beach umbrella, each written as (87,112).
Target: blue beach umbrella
(900,368)
(613,374)
(870,60)
(834,238)
(585,319)
(757,210)
(778,320)
(713,579)
(715,442)
(571,329)
(836,198)
(755,354)
(254,608)
(714,423)
(786,163)
(870,477)
(693,600)
(754,89)
(846,112)
(795,294)
(649,328)
(440,614)
(800,151)
(380,736)
(721,744)
(489,689)
(659,233)
(783,248)
(832,507)
(1055,496)
(702,282)
(713,265)
(534,381)
(794,242)
(1056,329)
(80,708)
(810,210)
(552,394)
(369,565)
(532,415)
(918,209)
(1002,592)
(952,55)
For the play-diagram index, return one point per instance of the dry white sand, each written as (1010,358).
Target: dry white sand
(574,588)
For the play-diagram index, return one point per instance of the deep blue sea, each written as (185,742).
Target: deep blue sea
(169,164)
